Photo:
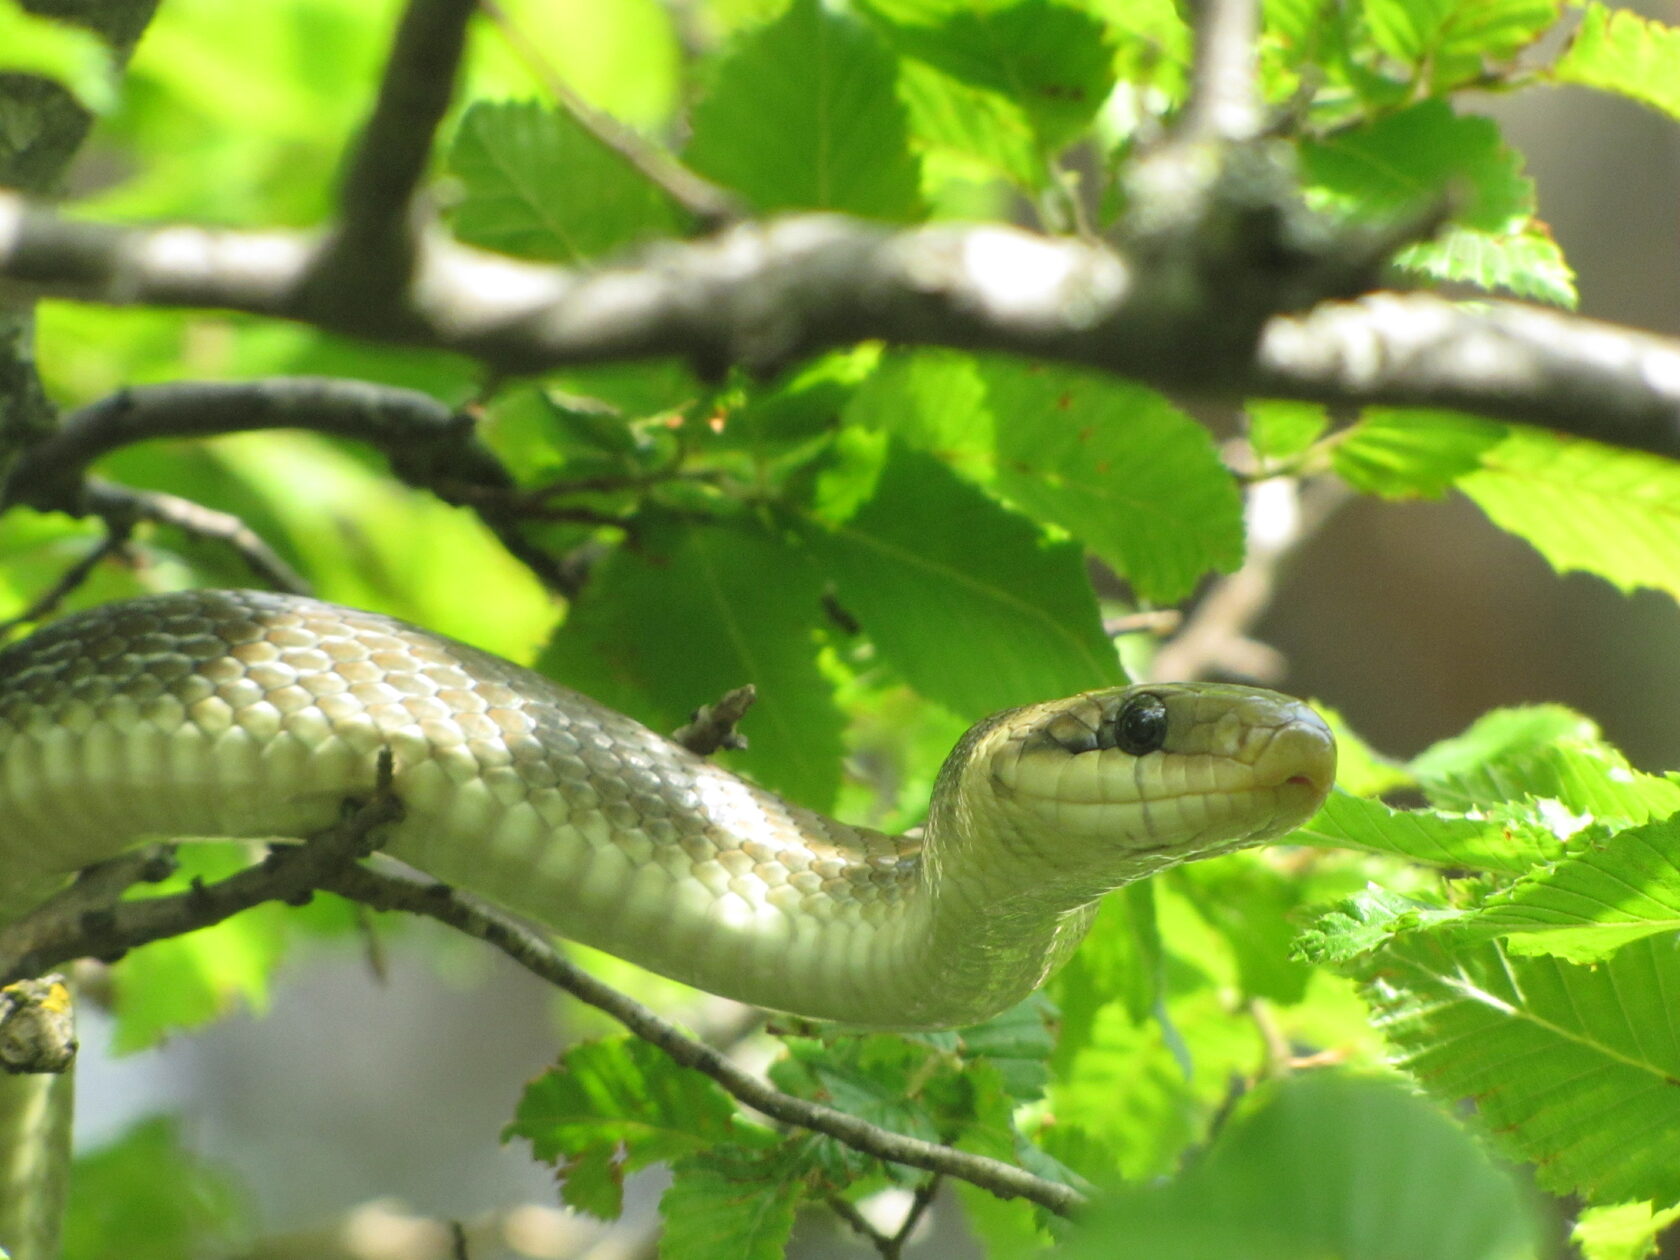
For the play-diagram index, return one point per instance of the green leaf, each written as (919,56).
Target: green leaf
(146,1197)
(962,596)
(1617,50)
(1282,429)
(1112,463)
(985,127)
(803,115)
(1570,1067)
(1585,506)
(1325,1165)
(1120,467)
(1411,454)
(698,610)
(1589,779)
(1525,261)
(1627,1231)
(1152,45)
(1356,926)
(723,1206)
(1453,41)
(1018,1043)
(1253,907)
(1407,158)
(1588,906)
(622,57)
(538,185)
(1501,734)
(1121,962)
(69,55)
(612,1107)
(1052,60)
(1437,839)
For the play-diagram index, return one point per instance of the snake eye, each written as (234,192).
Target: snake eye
(1141,725)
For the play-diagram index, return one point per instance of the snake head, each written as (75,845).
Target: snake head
(1151,775)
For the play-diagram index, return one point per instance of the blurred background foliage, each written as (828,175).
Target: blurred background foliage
(890,544)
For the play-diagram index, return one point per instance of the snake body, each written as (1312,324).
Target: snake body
(248,714)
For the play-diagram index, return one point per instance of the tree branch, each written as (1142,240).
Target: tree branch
(120,506)
(371,255)
(764,294)
(116,538)
(538,955)
(87,920)
(710,205)
(1224,95)
(429,446)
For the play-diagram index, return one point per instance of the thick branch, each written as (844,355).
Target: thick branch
(761,295)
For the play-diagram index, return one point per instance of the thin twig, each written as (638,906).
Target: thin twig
(889,1246)
(538,955)
(711,206)
(860,1225)
(116,538)
(120,504)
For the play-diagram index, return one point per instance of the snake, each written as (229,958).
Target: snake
(229,714)
(246,714)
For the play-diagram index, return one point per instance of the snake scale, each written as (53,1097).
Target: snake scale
(252,714)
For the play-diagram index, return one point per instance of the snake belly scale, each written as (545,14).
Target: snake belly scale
(219,714)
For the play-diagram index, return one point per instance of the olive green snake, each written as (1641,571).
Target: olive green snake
(216,714)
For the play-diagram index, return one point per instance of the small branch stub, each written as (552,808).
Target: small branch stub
(37,1026)
(712,726)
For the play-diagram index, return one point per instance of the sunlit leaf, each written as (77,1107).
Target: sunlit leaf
(1410,454)
(614,1106)
(1619,889)
(966,599)
(1437,839)
(1403,160)
(1585,506)
(538,185)
(802,114)
(695,612)
(1113,464)
(1281,428)
(1452,40)
(1051,59)
(1621,51)
(1570,1067)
